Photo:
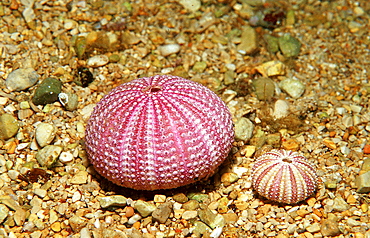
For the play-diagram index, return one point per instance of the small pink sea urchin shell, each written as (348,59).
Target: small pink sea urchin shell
(284,176)
(159,132)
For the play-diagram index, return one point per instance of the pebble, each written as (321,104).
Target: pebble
(191,205)
(187,215)
(56,226)
(97,61)
(240,171)
(264,88)
(249,42)
(76,196)
(230,218)
(191,5)
(229,178)
(243,129)
(199,66)
(21,79)
(180,198)
(4,211)
(229,77)
(353,222)
(207,20)
(45,134)
(362,182)
(129,211)
(216,232)
(66,157)
(48,155)
(281,109)
(271,68)
(211,219)
(289,46)
(85,233)
(53,216)
(200,229)
(293,87)
(70,24)
(80,177)
(159,198)
(68,100)
(340,205)
(76,223)
(314,228)
(162,212)
(329,228)
(223,205)
(144,208)
(47,92)
(169,49)
(272,43)
(40,192)
(133,219)
(200,197)
(367,149)
(20,216)
(8,126)
(87,110)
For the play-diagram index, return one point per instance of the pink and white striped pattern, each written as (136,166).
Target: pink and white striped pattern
(284,176)
(159,132)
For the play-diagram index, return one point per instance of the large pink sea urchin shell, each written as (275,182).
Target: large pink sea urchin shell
(284,176)
(159,132)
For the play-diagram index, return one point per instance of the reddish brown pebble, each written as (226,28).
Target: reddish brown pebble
(367,149)
(130,211)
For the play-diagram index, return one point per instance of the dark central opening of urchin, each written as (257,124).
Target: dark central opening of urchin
(152,89)
(287,160)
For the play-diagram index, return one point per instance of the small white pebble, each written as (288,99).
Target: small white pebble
(169,49)
(65,157)
(216,232)
(76,196)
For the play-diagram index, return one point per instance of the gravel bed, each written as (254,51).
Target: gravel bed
(294,74)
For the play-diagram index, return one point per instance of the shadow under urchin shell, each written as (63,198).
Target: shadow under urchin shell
(205,185)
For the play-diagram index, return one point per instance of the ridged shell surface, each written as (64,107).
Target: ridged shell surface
(284,176)
(159,132)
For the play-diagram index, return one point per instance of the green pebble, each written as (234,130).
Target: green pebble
(112,201)
(273,139)
(200,197)
(8,126)
(180,198)
(243,129)
(144,208)
(229,77)
(114,58)
(264,88)
(47,92)
(290,18)
(199,67)
(366,165)
(80,46)
(272,43)
(191,205)
(289,46)
(201,229)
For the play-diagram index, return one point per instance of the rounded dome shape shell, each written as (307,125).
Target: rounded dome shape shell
(284,176)
(159,132)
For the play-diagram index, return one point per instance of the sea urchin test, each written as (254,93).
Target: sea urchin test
(284,176)
(159,132)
